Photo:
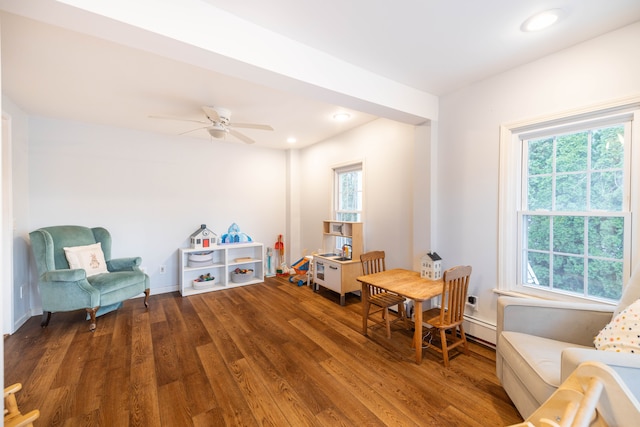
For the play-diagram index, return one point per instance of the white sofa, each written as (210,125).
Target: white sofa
(540,343)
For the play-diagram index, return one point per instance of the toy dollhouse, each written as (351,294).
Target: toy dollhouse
(431,266)
(203,238)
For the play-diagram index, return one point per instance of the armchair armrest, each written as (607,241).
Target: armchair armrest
(67,275)
(576,323)
(124,264)
(67,289)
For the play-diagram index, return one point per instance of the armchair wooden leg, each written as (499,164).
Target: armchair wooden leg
(46,316)
(92,317)
(146,297)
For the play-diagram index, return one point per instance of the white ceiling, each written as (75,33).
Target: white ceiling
(286,63)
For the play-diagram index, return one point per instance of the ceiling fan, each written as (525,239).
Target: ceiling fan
(218,124)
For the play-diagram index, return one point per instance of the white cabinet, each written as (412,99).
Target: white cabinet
(339,276)
(224,260)
(328,274)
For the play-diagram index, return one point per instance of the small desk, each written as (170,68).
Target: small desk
(410,285)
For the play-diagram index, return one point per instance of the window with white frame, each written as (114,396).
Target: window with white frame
(566,204)
(347,192)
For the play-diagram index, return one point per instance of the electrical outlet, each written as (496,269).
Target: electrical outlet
(163,269)
(472,300)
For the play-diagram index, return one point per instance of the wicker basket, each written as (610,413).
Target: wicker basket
(204,284)
(242,277)
(200,259)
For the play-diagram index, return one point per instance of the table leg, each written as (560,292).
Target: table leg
(364,295)
(417,336)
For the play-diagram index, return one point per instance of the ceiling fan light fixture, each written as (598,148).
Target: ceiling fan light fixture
(542,20)
(217,131)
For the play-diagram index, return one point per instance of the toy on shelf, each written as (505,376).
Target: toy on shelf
(234,235)
(205,278)
(202,238)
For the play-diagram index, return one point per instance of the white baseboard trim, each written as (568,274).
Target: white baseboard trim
(22,320)
(480,329)
(164,289)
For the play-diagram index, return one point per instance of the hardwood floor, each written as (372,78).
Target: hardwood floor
(267,354)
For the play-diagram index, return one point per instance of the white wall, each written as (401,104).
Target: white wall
(17,220)
(151,191)
(387,150)
(603,69)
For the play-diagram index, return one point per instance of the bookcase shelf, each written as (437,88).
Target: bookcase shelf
(225,259)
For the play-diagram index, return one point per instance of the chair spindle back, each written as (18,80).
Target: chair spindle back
(373,262)
(456,285)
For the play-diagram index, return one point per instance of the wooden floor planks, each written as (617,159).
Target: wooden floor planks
(268,354)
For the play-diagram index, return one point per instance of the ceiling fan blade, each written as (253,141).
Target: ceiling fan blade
(204,122)
(251,126)
(241,136)
(211,113)
(193,130)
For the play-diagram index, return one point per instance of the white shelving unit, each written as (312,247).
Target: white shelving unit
(226,258)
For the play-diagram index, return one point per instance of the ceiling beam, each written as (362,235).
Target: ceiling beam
(195,32)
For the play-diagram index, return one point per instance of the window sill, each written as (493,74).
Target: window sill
(550,297)
(515,294)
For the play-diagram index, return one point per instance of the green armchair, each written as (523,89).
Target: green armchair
(63,288)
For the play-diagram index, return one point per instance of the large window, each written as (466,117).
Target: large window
(566,206)
(348,193)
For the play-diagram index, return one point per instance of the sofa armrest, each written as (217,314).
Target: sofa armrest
(68,275)
(124,264)
(571,322)
(627,365)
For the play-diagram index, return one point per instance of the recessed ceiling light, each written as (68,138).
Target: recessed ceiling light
(542,20)
(341,117)
(291,140)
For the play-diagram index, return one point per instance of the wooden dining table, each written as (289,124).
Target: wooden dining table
(410,285)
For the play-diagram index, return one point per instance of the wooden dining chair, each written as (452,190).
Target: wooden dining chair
(450,315)
(373,262)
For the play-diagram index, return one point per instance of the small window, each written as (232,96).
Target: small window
(348,193)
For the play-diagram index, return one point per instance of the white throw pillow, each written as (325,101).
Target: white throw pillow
(622,334)
(90,258)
